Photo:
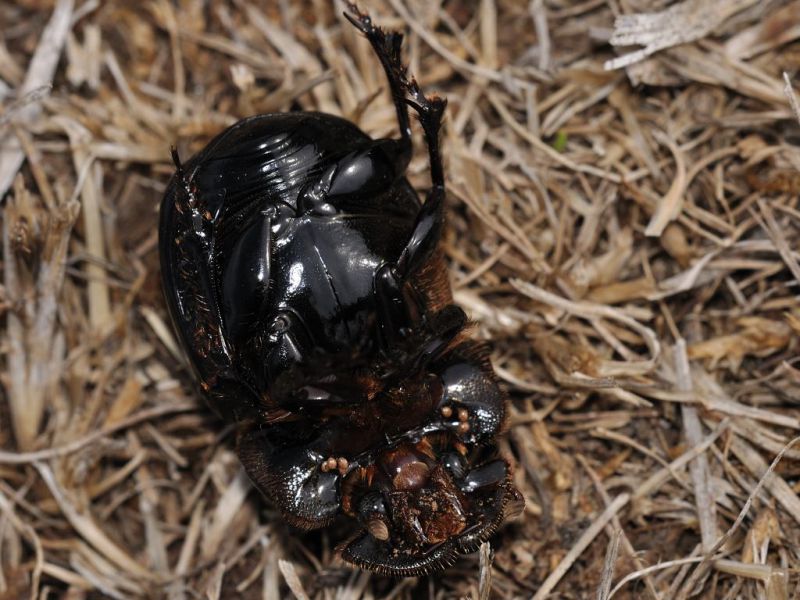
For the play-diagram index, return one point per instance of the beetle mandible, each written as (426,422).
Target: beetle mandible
(305,281)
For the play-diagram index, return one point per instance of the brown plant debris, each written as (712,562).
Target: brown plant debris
(629,244)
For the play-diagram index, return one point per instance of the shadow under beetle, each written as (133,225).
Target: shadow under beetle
(305,282)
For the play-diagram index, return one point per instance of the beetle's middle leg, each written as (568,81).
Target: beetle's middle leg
(198,222)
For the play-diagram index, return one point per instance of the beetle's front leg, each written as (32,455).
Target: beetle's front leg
(472,403)
(294,477)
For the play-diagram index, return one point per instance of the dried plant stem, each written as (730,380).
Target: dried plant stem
(580,545)
(594,220)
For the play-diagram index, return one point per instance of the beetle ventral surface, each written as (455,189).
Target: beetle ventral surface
(303,277)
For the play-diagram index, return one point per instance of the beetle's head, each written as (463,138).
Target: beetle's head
(421,504)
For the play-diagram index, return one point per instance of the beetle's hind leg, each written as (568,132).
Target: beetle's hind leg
(186,238)
(428,225)
(391,278)
(429,221)
(386,45)
(406,92)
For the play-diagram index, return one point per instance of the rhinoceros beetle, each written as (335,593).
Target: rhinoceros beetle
(305,282)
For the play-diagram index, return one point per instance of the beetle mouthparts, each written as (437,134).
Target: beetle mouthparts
(429,529)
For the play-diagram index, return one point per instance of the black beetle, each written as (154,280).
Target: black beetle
(303,277)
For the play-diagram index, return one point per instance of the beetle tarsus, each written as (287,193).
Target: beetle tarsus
(387,47)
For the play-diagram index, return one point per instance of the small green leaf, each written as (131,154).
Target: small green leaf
(560,141)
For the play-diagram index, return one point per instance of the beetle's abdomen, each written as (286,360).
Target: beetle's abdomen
(248,180)
(268,159)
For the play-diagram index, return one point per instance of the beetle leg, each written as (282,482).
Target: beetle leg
(392,312)
(185,265)
(333,463)
(427,230)
(186,202)
(307,496)
(286,348)
(367,171)
(491,473)
(179,172)
(428,226)
(472,404)
(387,47)
(425,236)
(443,327)
(430,111)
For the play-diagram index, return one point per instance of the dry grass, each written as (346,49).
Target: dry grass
(626,238)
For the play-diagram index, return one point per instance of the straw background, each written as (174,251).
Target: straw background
(622,226)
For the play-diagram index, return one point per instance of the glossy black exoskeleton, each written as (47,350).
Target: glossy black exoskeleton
(303,277)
